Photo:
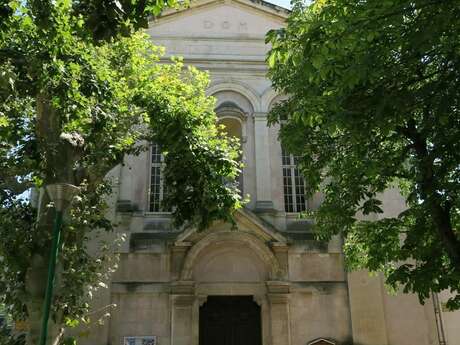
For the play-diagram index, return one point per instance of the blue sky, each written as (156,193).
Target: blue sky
(283,3)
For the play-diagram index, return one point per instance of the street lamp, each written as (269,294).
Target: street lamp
(61,194)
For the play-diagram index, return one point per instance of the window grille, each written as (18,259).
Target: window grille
(144,340)
(157,186)
(293,184)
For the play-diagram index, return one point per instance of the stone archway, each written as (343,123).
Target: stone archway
(237,87)
(230,263)
(229,238)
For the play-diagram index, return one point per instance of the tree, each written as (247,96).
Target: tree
(72,105)
(374,103)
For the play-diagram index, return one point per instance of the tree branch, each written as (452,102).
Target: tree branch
(441,214)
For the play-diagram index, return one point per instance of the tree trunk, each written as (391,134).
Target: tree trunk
(439,209)
(60,156)
(48,132)
(35,286)
(441,219)
(36,280)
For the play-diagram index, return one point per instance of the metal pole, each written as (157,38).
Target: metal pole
(438,318)
(51,273)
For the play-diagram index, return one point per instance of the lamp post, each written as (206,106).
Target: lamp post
(61,194)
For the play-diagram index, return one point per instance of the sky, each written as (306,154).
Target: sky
(283,3)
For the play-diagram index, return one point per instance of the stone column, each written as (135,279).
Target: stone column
(126,183)
(280,321)
(182,300)
(263,171)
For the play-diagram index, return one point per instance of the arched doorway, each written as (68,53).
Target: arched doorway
(227,265)
(230,320)
(240,276)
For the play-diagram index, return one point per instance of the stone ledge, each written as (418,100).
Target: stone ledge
(121,287)
(146,241)
(183,287)
(278,287)
(183,300)
(278,298)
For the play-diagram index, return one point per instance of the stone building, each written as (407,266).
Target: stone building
(268,282)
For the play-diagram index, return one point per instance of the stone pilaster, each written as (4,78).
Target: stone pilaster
(126,179)
(182,303)
(280,321)
(367,309)
(197,304)
(263,170)
(281,252)
(178,252)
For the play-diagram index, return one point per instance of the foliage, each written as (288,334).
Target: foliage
(71,107)
(6,338)
(98,20)
(374,104)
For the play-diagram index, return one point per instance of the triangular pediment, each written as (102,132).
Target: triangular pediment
(246,221)
(217,18)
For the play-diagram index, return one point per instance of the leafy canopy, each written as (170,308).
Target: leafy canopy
(71,107)
(99,20)
(374,104)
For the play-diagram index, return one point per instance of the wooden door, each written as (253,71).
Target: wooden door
(230,320)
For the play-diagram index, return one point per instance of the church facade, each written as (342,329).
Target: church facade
(268,282)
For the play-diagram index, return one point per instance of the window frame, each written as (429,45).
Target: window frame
(151,165)
(296,184)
